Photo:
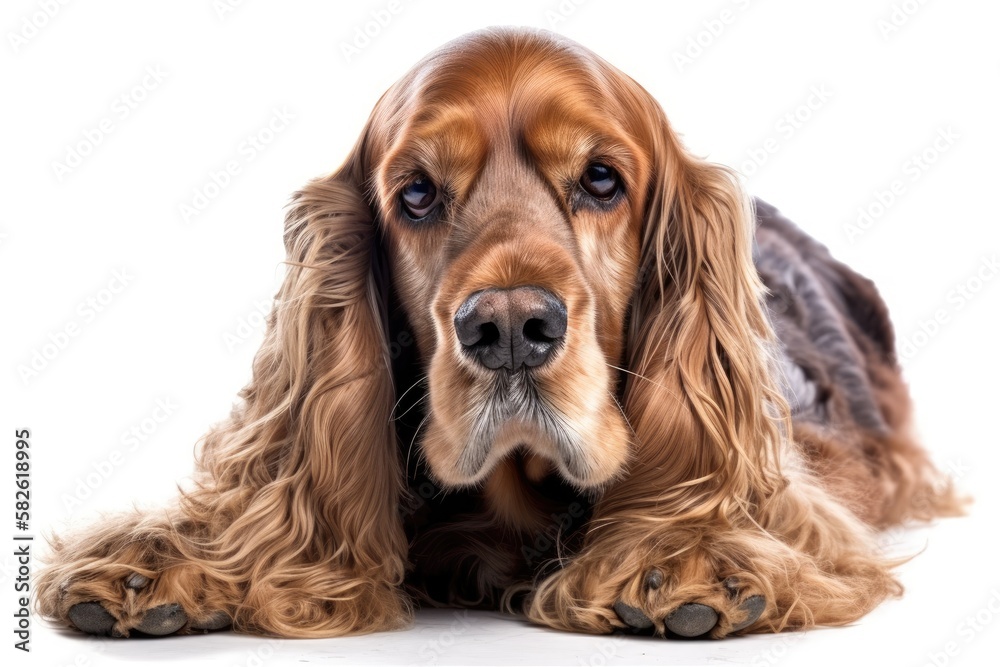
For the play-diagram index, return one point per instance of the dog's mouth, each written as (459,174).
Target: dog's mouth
(515,414)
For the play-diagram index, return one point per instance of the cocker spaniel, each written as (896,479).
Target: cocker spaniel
(531,354)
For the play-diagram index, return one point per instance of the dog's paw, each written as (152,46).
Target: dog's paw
(728,609)
(94,619)
(688,596)
(136,607)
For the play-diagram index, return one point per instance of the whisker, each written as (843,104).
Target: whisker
(401,396)
(625,370)
(642,377)
(415,404)
(625,417)
(414,439)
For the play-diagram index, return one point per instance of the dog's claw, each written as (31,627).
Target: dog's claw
(632,616)
(218,621)
(163,620)
(753,606)
(691,620)
(92,618)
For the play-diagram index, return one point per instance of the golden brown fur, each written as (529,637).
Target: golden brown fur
(659,438)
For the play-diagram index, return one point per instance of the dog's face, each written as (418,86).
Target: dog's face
(511,192)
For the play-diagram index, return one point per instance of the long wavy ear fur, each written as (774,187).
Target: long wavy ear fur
(292,526)
(302,485)
(699,343)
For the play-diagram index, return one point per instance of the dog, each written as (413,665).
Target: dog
(531,354)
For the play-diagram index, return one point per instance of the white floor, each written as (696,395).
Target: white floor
(951,605)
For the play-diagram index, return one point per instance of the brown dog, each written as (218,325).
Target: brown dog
(609,432)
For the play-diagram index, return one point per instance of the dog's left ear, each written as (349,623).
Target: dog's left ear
(699,336)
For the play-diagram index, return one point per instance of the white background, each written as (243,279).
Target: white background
(191,283)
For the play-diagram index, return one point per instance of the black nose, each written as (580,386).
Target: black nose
(510,328)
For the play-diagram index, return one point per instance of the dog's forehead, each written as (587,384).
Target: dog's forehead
(499,79)
(504,58)
(543,96)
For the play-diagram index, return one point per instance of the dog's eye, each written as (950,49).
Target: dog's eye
(419,197)
(600,181)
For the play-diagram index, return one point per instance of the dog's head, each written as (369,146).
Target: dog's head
(549,239)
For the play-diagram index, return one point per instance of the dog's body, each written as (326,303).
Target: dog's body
(849,410)
(521,297)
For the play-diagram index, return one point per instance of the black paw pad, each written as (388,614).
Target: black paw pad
(218,621)
(691,620)
(632,616)
(137,581)
(92,618)
(163,620)
(753,607)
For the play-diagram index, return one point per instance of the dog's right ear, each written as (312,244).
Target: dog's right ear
(306,473)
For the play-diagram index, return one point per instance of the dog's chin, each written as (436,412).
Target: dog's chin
(587,451)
